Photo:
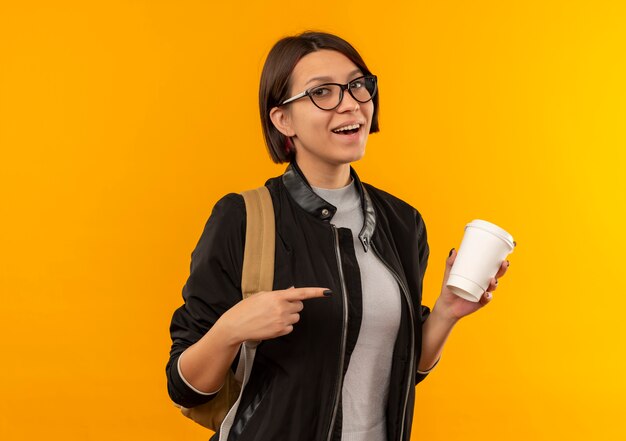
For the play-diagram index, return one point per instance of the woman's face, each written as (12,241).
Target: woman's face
(310,127)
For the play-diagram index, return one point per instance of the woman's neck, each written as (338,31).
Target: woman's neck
(325,176)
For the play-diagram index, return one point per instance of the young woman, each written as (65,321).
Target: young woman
(345,338)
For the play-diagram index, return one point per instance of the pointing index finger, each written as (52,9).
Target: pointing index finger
(307,293)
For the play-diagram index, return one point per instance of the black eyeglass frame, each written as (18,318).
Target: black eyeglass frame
(342,87)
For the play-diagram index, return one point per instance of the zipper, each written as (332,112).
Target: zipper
(405,291)
(344,293)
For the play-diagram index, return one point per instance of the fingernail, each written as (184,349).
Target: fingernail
(451,252)
(496,282)
(508,264)
(328,292)
(488,296)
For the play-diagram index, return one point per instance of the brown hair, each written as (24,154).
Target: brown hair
(276,82)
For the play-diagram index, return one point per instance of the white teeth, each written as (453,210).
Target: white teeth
(350,127)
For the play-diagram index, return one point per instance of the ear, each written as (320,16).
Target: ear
(281,119)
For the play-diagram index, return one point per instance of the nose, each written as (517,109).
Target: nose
(348,103)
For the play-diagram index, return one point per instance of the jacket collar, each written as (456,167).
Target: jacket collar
(301,191)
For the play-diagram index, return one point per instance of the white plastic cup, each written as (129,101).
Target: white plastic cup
(482,251)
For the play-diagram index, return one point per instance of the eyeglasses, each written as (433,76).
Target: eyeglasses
(328,96)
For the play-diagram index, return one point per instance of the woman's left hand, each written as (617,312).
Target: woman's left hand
(455,307)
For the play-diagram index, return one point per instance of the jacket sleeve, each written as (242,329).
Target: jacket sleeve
(423,252)
(213,286)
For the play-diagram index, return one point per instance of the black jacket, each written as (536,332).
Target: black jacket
(294,392)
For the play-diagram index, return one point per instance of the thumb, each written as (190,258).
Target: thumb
(449,262)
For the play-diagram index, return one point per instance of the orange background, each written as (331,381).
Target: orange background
(122,122)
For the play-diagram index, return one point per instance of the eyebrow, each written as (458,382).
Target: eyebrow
(355,71)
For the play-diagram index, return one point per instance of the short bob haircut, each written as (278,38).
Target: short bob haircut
(276,83)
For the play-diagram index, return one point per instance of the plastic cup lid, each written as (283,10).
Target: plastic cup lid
(494,229)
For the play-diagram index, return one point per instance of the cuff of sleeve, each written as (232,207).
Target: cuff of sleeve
(189,384)
(432,367)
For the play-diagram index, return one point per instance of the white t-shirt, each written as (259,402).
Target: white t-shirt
(366,384)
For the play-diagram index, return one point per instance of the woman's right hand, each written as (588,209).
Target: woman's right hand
(267,314)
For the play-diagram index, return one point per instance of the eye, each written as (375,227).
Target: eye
(356,84)
(320,91)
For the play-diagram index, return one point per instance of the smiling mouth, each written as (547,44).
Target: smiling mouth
(348,131)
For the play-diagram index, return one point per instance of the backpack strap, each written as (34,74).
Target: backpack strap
(257,275)
(258,259)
